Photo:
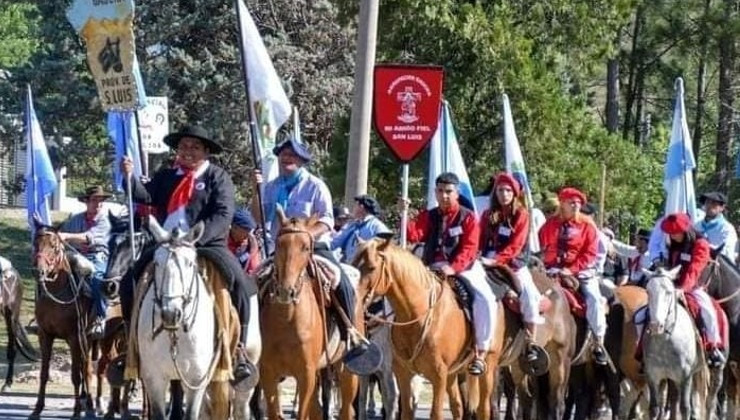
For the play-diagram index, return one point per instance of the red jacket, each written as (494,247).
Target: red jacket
(693,259)
(580,248)
(254,254)
(418,230)
(507,237)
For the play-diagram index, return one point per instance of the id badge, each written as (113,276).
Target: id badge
(456,231)
(685,257)
(504,231)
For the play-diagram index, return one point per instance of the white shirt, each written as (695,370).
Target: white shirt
(631,253)
(601,253)
(718,234)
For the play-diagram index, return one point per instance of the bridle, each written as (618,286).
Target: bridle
(52,258)
(189,297)
(291,295)
(672,308)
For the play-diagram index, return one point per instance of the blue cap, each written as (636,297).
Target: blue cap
(300,149)
(243,218)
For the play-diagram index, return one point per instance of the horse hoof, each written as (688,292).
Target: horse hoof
(5,388)
(35,416)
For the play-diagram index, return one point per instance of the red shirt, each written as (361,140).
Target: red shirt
(419,228)
(579,249)
(254,255)
(693,261)
(517,233)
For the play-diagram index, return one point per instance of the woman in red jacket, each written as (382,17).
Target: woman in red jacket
(569,243)
(688,249)
(504,231)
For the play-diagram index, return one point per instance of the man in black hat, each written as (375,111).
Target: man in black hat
(716,229)
(195,190)
(88,232)
(342,216)
(301,194)
(637,255)
(365,226)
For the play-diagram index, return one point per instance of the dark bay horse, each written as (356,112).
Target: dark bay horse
(11,297)
(297,340)
(62,311)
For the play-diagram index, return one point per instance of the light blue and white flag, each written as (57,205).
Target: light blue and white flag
(445,156)
(40,179)
(515,166)
(678,179)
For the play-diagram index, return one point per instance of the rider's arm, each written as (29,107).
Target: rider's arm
(220,208)
(519,234)
(72,230)
(418,228)
(586,257)
(323,209)
(730,241)
(699,260)
(468,245)
(624,250)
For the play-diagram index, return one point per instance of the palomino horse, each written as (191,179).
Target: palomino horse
(176,325)
(430,335)
(672,348)
(11,297)
(61,312)
(722,282)
(297,339)
(556,336)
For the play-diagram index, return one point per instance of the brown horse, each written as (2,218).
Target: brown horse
(556,336)
(297,340)
(430,335)
(61,312)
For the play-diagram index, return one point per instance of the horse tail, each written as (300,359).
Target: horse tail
(23,343)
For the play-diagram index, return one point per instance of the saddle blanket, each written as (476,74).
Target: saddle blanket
(335,274)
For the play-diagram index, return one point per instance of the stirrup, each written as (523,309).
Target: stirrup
(477,367)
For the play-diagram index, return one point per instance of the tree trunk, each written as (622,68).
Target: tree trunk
(724,125)
(635,61)
(701,87)
(612,95)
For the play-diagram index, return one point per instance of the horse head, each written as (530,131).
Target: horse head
(293,253)
(662,299)
(120,254)
(49,258)
(176,273)
(370,258)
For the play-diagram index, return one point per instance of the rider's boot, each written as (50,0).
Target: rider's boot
(600,357)
(245,373)
(531,330)
(478,365)
(715,357)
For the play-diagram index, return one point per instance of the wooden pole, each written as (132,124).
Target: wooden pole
(602,196)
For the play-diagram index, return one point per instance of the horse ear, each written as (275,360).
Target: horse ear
(648,273)
(313,219)
(386,238)
(281,215)
(195,233)
(673,273)
(160,235)
(37,222)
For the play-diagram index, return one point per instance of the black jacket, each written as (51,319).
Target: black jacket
(212,201)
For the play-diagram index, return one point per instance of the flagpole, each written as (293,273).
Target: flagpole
(405,196)
(679,98)
(602,196)
(130,196)
(29,149)
(143,156)
(252,126)
(445,156)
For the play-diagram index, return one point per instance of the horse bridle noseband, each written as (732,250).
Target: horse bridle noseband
(668,329)
(53,261)
(188,318)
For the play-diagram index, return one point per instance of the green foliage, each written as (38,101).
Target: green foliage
(18,25)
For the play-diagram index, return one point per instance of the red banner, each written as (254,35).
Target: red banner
(406,105)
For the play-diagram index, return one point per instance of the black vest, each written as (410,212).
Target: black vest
(437,241)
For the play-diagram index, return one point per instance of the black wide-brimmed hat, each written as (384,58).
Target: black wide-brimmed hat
(299,148)
(195,131)
(370,204)
(644,234)
(94,191)
(715,196)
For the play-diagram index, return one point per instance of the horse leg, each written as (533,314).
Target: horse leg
(45,345)
(348,385)
(686,394)
(657,401)
(272,396)
(487,406)
(10,353)
(77,374)
(360,402)
(453,393)
(326,386)
(255,403)
(558,381)
(306,388)
(733,391)
(155,392)
(406,393)
(194,400)
(218,401)
(389,393)
(439,382)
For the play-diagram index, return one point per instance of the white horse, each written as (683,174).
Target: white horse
(672,349)
(176,325)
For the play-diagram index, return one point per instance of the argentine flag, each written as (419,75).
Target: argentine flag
(445,156)
(678,179)
(40,178)
(515,166)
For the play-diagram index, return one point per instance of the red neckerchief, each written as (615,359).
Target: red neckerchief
(183,192)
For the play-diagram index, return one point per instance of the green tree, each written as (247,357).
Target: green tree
(18,25)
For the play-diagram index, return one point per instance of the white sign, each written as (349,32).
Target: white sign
(154,124)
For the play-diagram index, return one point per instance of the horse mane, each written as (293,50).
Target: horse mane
(406,264)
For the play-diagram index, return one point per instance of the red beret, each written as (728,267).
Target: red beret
(506,179)
(569,193)
(676,223)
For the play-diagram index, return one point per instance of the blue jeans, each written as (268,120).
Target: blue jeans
(100,261)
